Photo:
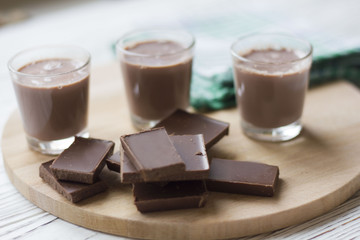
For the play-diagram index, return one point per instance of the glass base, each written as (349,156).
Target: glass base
(53,147)
(141,123)
(279,134)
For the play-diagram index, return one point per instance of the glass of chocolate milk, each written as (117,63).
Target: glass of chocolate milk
(156,69)
(51,84)
(271,74)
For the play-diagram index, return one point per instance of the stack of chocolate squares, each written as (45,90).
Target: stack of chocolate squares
(169,168)
(167,172)
(168,164)
(75,172)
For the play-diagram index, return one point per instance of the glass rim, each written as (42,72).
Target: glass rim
(16,71)
(154,30)
(275,34)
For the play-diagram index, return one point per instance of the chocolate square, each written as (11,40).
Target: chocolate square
(113,162)
(153,154)
(181,122)
(252,178)
(74,192)
(83,160)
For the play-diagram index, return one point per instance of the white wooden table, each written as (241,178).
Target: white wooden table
(95,25)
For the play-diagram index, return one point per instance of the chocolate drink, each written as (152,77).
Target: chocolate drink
(271,87)
(53,107)
(157,85)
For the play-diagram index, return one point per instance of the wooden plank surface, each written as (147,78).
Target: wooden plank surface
(318,170)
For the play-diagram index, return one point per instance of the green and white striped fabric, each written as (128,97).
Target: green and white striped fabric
(334,56)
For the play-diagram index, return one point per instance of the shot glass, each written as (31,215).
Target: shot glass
(51,84)
(271,75)
(156,67)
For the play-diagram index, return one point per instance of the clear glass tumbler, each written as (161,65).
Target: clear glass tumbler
(271,74)
(156,66)
(51,84)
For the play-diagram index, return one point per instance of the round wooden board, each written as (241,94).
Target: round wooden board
(318,170)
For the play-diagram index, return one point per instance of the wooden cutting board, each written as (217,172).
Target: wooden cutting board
(319,170)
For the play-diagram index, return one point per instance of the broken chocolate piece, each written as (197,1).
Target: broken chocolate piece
(153,154)
(181,122)
(128,173)
(113,162)
(252,178)
(74,192)
(191,148)
(83,160)
(150,197)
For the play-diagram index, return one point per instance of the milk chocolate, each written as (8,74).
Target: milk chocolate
(83,160)
(113,162)
(181,122)
(191,148)
(153,154)
(128,173)
(74,192)
(150,197)
(242,177)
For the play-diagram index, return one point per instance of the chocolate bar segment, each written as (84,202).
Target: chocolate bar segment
(181,122)
(242,177)
(83,160)
(191,148)
(150,197)
(74,192)
(128,173)
(153,154)
(113,162)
